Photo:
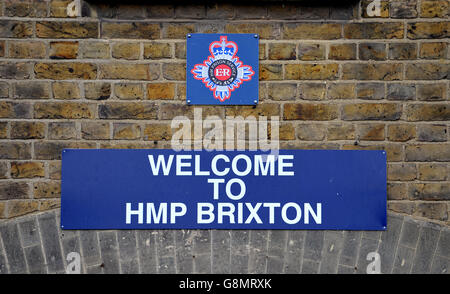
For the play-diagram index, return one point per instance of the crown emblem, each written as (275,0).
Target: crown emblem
(223,49)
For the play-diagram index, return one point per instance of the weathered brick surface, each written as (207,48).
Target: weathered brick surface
(401,132)
(432,133)
(402,51)
(157,50)
(427,152)
(370,91)
(434,8)
(115,76)
(27,49)
(157,132)
(428,30)
(427,71)
(47,189)
(386,30)
(95,49)
(130,30)
(264,30)
(65,71)
(69,110)
(428,112)
(51,150)
(130,51)
(433,50)
(162,91)
(95,131)
(312,31)
(129,91)
(311,71)
(128,71)
(126,131)
(21,207)
(119,110)
(27,130)
(371,132)
(312,91)
(25,8)
(174,71)
(66,90)
(15,70)
(58,8)
(27,169)
(63,50)
(269,72)
(97,91)
(432,171)
(66,30)
(15,150)
(31,90)
(282,51)
(310,112)
(342,51)
(16,29)
(371,111)
(341,91)
(153,251)
(14,190)
(372,51)
(62,130)
(282,91)
(311,52)
(403,9)
(374,71)
(3,130)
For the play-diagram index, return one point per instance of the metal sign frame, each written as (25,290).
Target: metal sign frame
(98,185)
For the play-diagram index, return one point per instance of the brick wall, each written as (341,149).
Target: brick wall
(35,244)
(115,77)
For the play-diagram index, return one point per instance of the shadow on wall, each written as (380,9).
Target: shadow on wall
(118,9)
(236,2)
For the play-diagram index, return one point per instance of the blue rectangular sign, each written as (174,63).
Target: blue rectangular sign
(165,189)
(222,69)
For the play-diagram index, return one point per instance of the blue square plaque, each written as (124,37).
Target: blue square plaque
(222,69)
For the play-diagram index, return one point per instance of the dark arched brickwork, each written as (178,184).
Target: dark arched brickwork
(35,244)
